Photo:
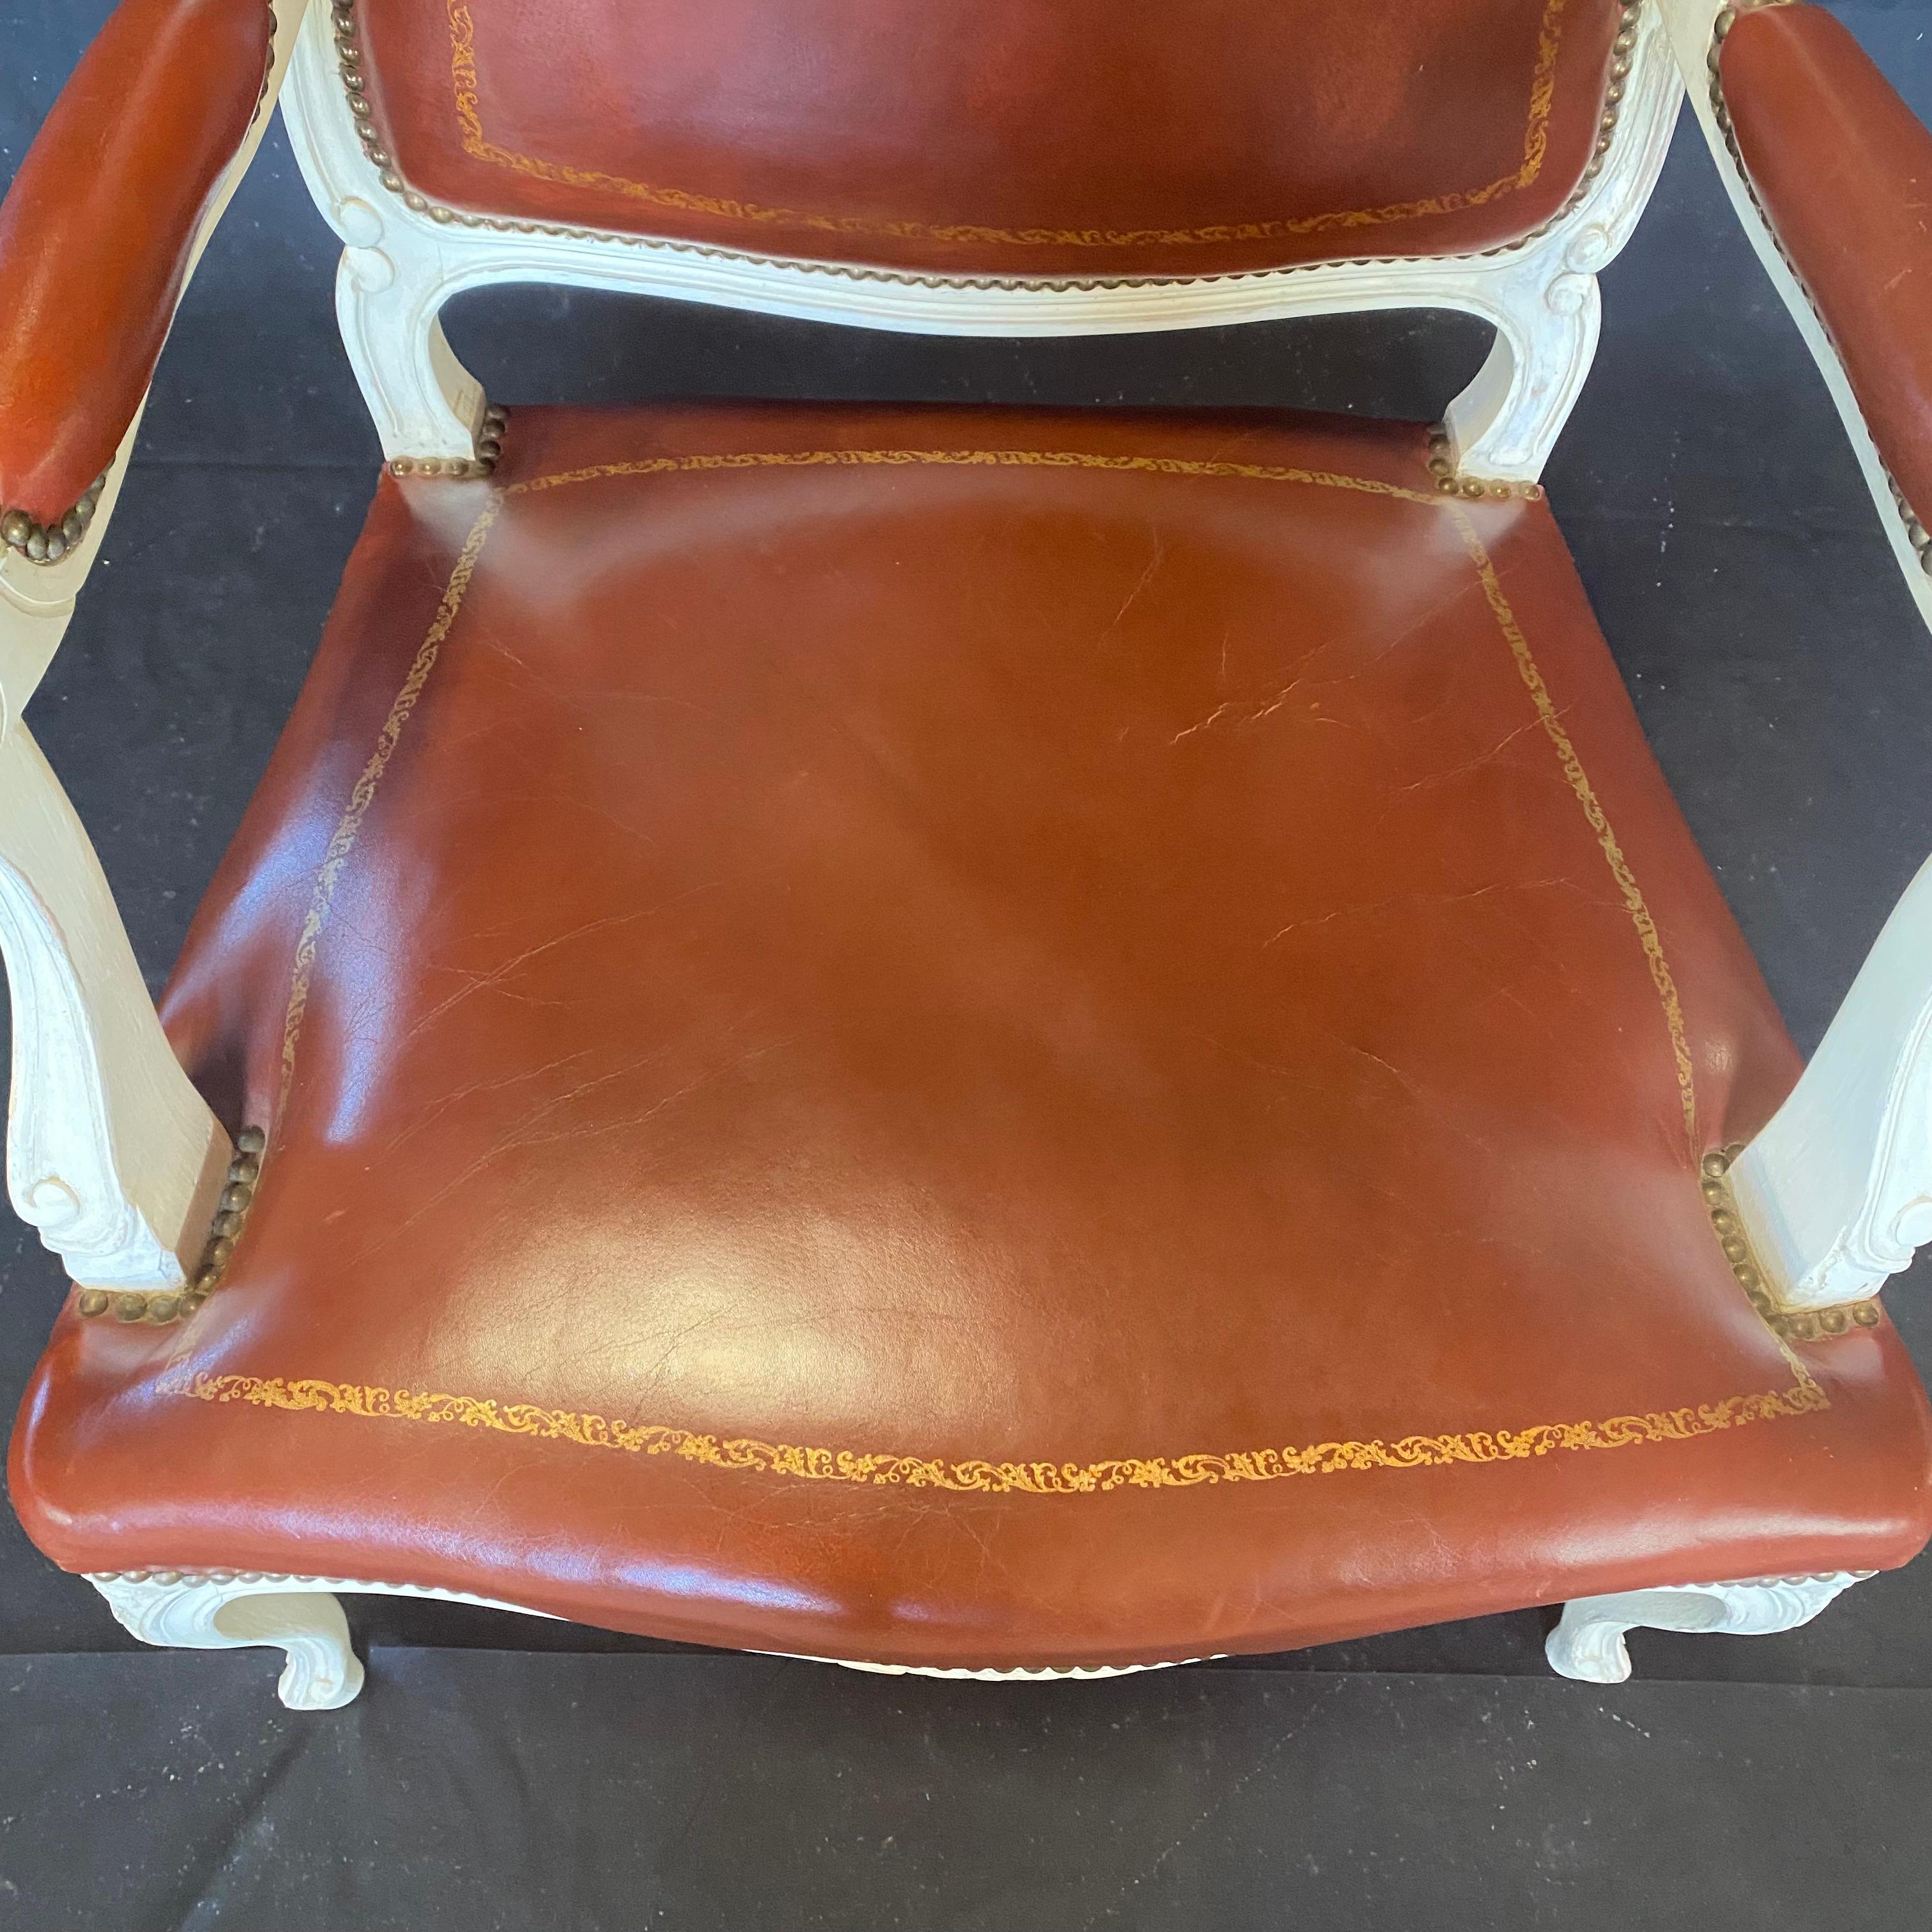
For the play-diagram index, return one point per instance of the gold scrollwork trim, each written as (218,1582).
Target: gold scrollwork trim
(477,144)
(985,1478)
(1579,782)
(965,459)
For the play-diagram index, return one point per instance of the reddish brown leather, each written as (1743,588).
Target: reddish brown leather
(1017,960)
(1007,137)
(96,229)
(1842,170)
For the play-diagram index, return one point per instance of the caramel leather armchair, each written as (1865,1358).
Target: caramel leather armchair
(992,1042)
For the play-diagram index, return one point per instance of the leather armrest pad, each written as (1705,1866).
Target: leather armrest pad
(97,231)
(1843,171)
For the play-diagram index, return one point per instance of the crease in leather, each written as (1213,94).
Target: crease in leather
(1415,1451)
(342,843)
(464,88)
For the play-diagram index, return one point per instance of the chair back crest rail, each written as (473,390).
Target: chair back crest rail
(112,1154)
(407,252)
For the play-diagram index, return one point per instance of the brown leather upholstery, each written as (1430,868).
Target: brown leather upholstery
(1004,137)
(1843,171)
(976,1039)
(96,230)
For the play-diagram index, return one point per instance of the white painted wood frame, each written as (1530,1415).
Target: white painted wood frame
(227,1610)
(302,1615)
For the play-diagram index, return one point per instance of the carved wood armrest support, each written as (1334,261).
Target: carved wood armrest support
(98,233)
(111,1152)
(1823,164)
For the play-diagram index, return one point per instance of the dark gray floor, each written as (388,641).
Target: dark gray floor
(501,1793)
(1429,1778)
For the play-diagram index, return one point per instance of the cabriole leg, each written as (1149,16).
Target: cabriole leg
(1589,1643)
(207,1612)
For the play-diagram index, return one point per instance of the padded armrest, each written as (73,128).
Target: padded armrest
(98,230)
(1843,172)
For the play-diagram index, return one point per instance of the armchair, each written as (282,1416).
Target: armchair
(999,1042)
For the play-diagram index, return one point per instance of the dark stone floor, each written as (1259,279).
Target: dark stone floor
(1438,1777)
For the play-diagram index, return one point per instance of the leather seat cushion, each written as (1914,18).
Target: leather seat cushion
(1081,138)
(972,1038)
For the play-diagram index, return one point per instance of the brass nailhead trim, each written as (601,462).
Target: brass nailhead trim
(1810,1325)
(232,1214)
(1448,483)
(489,447)
(268,71)
(1613,93)
(49,542)
(349,55)
(191,1578)
(1915,532)
(1442,465)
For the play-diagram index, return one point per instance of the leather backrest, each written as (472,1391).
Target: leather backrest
(1086,138)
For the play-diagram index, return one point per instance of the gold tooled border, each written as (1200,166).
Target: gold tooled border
(998,1479)
(477,144)
(1805,1396)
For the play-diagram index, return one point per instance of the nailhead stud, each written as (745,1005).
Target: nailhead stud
(172,1306)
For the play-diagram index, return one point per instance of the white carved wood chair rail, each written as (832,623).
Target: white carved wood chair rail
(401,264)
